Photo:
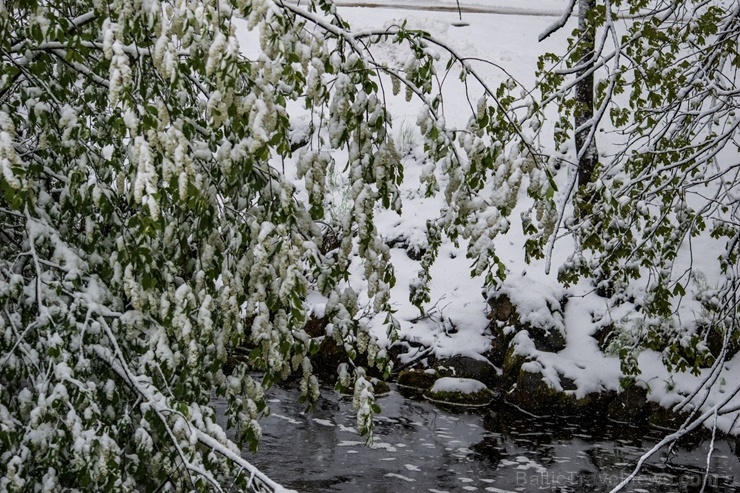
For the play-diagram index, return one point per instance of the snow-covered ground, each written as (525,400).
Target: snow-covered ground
(502,7)
(505,33)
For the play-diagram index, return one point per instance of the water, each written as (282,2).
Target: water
(420,447)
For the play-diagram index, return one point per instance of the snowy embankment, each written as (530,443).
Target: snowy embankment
(550,8)
(457,318)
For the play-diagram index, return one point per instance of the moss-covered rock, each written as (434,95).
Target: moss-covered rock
(467,367)
(511,368)
(462,392)
(329,355)
(380,387)
(499,346)
(503,320)
(417,379)
(593,405)
(533,394)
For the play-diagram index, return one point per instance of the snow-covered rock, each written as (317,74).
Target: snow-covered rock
(466,392)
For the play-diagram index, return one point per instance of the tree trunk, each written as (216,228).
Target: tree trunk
(585,147)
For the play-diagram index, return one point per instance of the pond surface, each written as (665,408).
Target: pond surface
(421,447)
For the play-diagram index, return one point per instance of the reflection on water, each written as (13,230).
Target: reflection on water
(420,447)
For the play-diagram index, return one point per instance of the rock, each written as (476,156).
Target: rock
(417,379)
(238,356)
(327,359)
(548,339)
(547,335)
(414,251)
(630,406)
(533,394)
(467,367)
(502,309)
(463,392)
(660,417)
(499,347)
(502,327)
(329,355)
(592,406)
(715,340)
(380,387)
(396,350)
(511,368)
(605,288)
(501,337)
(567,383)
(666,419)
(603,336)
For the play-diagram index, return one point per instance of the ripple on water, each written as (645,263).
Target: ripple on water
(419,447)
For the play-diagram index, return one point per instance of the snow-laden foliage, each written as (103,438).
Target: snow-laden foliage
(147,232)
(666,101)
(148,229)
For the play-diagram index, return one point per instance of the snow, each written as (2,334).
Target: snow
(399,476)
(537,304)
(462,385)
(501,7)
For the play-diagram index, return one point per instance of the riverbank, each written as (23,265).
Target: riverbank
(534,361)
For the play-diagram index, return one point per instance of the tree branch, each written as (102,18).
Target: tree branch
(558,24)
